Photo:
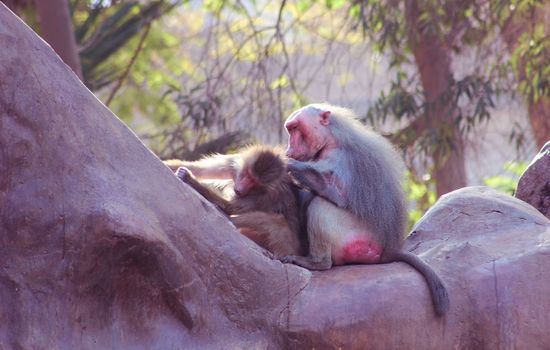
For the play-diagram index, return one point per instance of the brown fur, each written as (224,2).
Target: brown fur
(268,211)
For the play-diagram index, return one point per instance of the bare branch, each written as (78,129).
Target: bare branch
(130,64)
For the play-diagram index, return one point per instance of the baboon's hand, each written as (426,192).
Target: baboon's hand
(294,165)
(183,173)
(324,184)
(306,176)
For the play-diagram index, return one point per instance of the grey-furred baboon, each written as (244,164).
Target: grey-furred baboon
(359,214)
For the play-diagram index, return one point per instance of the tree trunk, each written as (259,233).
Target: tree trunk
(539,110)
(539,116)
(102,247)
(57,29)
(433,62)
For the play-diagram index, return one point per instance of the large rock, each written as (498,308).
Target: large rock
(492,250)
(101,247)
(534,185)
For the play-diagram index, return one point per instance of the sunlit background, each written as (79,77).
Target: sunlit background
(461,87)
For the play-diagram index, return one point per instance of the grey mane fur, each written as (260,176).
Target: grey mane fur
(378,168)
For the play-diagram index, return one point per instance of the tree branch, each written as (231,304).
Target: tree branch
(130,64)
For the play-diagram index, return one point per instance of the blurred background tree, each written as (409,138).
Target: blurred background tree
(440,104)
(439,77)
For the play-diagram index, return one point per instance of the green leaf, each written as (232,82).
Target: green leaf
(280,82)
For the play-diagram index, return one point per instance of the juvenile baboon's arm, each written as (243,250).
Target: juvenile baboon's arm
(319,178)
(208,193)
(217,167)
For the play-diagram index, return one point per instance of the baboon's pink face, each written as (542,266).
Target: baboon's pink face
(308,134)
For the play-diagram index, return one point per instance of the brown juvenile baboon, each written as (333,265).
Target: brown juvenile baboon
(264,205)
(359,215)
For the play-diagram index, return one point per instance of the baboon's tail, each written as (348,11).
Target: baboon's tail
(438,290)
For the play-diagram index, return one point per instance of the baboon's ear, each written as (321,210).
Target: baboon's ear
(325,118)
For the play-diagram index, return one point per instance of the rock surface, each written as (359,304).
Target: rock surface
(101,247)
(492,250)
(534,185)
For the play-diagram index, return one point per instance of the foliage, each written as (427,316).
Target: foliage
(126,46)
(530,62)
(103,32)
(462,26)
(146,85)
(190,137)
(223,71)
(108,33)
(473,100)
(246,56)
(508,181)
(421,195)
(239,71)
(200,77)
